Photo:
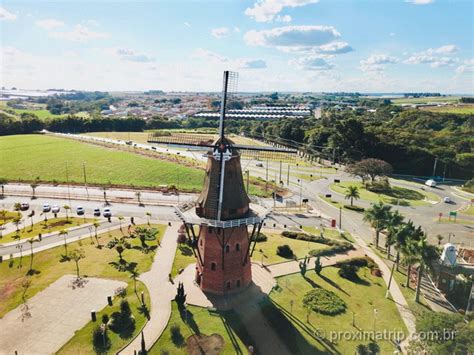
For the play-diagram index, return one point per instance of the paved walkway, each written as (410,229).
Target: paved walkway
(160,289)
(56,313)
(291,267)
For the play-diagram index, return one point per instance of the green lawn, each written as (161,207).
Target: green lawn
(297,327)
(183,257)
(8,216)
(469,210)
(39,110)
(52,225)
(404,195)
(424,100)
(460,110)
(446,220)
(204,322)
(25,157)
(48,267)
(332,233)
(268,248)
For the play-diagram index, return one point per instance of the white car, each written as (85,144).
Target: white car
(80,210)
(430,183)
(55,209)
(447,200)
(107,212)
(46,208)
(259,165)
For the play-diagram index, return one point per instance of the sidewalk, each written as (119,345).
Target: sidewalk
(161,291)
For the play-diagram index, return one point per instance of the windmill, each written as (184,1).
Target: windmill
(217,224)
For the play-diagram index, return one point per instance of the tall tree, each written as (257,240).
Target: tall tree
(64,233)
(3,182)
(77,255)
(352,192)
(377,216)
(67,208)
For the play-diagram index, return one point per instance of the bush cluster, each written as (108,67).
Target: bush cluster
(335,246)
(260,238)
(324,302)
(364,261)
(349,272)
(285,251)
(354,208)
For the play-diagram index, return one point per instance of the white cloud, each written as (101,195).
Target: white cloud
(293,37)
(284,18)
(420,2)
(335,48)
(132,56)
(377,62)
(266,10)
(49,24)
(187,24)
(435,57)
(466,67)
(5,15)
(80,33)
(220,32)
(312,63)
(227,63)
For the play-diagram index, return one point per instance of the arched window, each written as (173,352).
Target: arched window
(200,242)
(213,266)
(228,284)
(227,248)
(237,247)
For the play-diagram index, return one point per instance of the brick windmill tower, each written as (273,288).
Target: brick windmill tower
(222,224)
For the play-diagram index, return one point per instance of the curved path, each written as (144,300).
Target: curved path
(160,289)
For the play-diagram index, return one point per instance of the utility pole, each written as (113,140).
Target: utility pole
(288,177)
(266,177)
(67,182)
(85,178)
(280,172)
(340,217)
(434,166)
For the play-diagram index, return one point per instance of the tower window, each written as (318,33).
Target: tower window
(227,248)
(238,283)
(213,266)
(237,247)
(228,285)
(200,242)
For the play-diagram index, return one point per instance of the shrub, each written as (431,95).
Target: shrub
(324,302)
(349,272)
(105,318)
(377,272)
(260,237)
(285,251)
(354,208)
(123,321)
(364,261)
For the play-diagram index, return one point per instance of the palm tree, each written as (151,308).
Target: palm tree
(3,182)
(139,195)
(67,208)
(76,255)
(17,221)
(120,218)
(352,193)
(34,185)
(148,215)
(134,274)
(394,224)
(17,206)
(377,216)
(96,225)
(64,233)
(105,188)
(426,254)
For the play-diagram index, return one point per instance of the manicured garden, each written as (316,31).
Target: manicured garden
(222,330)
(392,195)
(306,331)
(28,230)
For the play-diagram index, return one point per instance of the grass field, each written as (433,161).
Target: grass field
(268,249)
(332,233)
(361,298)
(405,196)
(461,110)
(25,157)
(8,216)
(48,268)
(52,225)
(446,220)
(204,322)
(424,100)
(183,257)
(39,110)
(469,210)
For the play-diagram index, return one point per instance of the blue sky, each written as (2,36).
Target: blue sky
(275,45)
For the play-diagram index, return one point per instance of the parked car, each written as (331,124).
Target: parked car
(447,199)
(107,212)
(430,183)
(97,212)
(154,148)
(24,206)
(259,165)
(80,210)
(55,209)
(46,207)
